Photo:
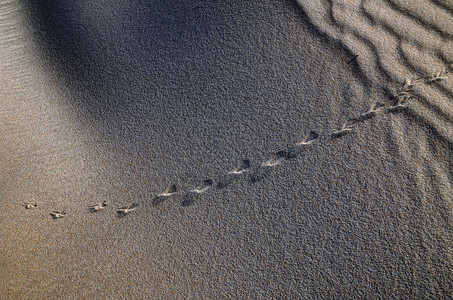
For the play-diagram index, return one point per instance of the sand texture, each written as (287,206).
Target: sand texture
(394,40)
(272,149)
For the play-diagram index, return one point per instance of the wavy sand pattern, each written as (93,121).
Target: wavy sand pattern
(348,218)
(394,40)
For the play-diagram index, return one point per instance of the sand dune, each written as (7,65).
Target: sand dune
(344,189)
(395,40)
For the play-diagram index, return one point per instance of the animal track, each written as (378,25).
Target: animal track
(403,98)
(124,210)
(232,176)
(346,128)
(437,76)
(97,207)
(294,150)
(58,214)
(402,102)
(264,169)
(29,205)
(349,125)
(371,112)
(162,196)
(193,194)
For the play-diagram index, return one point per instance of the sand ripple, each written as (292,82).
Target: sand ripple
(394,40)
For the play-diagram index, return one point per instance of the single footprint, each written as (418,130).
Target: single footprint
(124,210)
(402,102)
(437,76)
(346,128)
(294,150)
(29,205)
(409,84)
(371,112)
(264,169)
(168,193)
(233,175)
(97,207)
(58,214)
(191,195)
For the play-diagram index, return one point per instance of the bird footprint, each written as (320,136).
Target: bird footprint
(29,205)
(264,169)
(58,214)
(124,210)
(97,207)
(191,195)
(168,193)
(233,175)
(346,128)
(294,150)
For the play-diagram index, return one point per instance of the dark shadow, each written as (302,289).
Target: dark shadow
(282,154)
(189,198)
(365,117)
(293,152)
(227,180)
(397,109)
(339,134)
(121,215)
(352,59)
(314,135)
(157,200)
(169,192)
(260,173)
(115,55)
(232,176)
(126,210)
(208,183)
(112,55)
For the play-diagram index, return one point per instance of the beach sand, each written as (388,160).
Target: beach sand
(116,102)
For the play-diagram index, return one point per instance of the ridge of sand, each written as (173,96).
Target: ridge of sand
(349,218)
(394,40)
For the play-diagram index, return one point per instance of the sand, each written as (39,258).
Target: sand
(116,102)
